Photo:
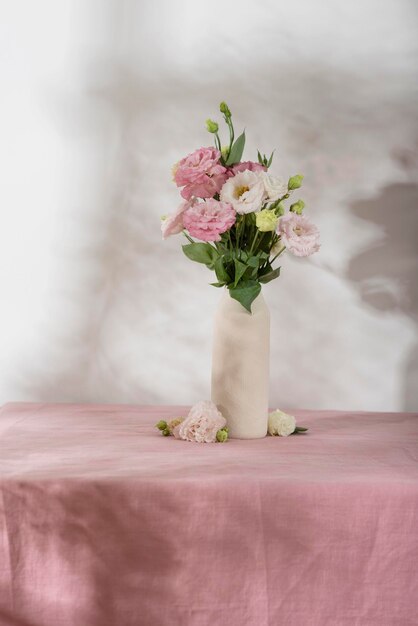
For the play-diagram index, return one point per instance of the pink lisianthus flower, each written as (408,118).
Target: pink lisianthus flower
(173,224)
(207,220)
(248,165)
(202,423)
(298,234)
(200,174)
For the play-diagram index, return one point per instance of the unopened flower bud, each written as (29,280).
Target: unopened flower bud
(297,207)
(280,209)
(223,107)
(162,425)
(295,182)
(166,432)
(212,126)
(222,435)
(266,221)
(225,152)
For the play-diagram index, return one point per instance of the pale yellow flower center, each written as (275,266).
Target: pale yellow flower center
(239,191)
(298,231)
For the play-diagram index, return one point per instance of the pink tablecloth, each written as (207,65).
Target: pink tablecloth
(103,522)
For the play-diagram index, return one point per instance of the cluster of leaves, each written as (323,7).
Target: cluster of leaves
(241,260)
(263,160)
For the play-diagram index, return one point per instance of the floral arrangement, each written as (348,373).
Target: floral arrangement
(234,216)
(206,424)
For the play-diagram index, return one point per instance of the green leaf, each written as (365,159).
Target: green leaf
(270,276)
(269,162)
(266,269)
(246,292)
(253,261)
(201,253)
(260,158)
(221,272)
(300,429)
(240,269)
(217,284)
(236,150)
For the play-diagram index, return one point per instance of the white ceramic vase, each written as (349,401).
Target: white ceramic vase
(240,366)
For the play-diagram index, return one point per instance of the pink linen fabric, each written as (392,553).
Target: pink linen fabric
(104,522)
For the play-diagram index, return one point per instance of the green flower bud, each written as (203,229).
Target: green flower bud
(223,107)
(295,182)
(266,221)
(280,209)
(162,425)
(225,152)
(277,207)
(222,435)
(166,432)
(212,126)
(297,207)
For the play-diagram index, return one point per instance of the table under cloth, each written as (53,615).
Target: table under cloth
(104,522)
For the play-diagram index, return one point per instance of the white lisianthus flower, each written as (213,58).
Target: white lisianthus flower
(281,424)
(274,186)
(245,191)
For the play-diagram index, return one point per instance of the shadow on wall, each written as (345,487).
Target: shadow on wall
(386,274)
(121,289)
(124,316)
(116,286)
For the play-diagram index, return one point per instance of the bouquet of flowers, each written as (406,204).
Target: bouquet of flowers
(234,217)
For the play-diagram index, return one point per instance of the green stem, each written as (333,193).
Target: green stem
(189,238)
(230,240)
(231,133)
(277,255)
(237,225)
(253,243)
(240,228)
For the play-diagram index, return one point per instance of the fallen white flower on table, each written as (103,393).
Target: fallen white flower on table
(282,424)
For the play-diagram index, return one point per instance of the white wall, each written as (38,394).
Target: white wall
(100,98)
